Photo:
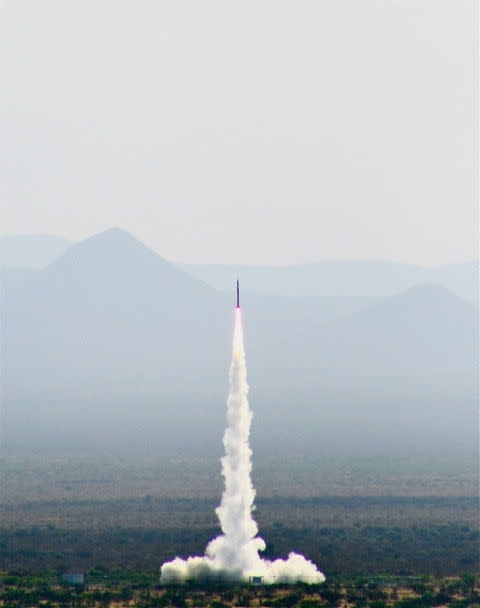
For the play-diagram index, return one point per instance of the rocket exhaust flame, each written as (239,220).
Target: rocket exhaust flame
(234,555)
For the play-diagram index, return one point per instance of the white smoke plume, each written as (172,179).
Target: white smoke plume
(234,555)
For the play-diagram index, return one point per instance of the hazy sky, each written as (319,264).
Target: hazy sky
(254,131)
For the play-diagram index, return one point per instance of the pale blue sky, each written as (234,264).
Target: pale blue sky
(249,132)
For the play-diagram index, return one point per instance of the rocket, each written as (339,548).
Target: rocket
(238,294)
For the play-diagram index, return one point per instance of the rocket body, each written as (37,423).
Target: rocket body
(238,294)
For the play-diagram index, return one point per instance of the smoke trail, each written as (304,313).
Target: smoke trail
(235,554)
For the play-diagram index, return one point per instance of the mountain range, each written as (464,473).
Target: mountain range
(342,277)
(360,278)
(111,321)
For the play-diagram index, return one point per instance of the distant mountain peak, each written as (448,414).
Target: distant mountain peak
(425,299)
(426,291)
(113,235)
(114,232)
(112,246)
(115,255)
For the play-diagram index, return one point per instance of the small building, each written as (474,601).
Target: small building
(256,580)
(73,578)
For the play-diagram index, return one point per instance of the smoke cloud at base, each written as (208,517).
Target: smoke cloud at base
(292,570)
(234,555)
